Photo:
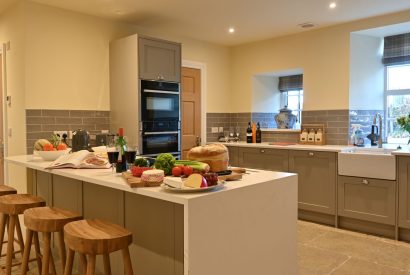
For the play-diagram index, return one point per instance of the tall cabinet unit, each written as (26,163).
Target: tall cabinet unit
(316,184)
(133,58)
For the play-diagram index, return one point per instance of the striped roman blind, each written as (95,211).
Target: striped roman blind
(396,49)
(291,82)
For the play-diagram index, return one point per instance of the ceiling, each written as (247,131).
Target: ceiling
(209,20)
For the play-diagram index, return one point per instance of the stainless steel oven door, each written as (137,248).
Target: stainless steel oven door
(154,143)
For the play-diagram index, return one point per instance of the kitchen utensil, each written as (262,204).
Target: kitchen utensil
(190,190)
(81,140)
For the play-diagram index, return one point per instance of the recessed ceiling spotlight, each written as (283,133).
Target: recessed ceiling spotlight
(306,25)
(332,5)
(231,30)
(119,12)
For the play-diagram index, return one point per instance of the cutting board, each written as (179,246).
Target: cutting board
(231,177)
(134,182)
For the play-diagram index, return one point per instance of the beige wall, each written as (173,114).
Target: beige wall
(12,29)
(366,73)
(67,58)
(265,94)
(323,54)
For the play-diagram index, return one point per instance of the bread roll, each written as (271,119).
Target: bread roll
(216,155)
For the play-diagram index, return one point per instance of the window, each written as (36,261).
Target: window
(291,88)
(397,99)
(294,100)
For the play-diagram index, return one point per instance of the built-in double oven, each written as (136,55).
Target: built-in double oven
(160,129)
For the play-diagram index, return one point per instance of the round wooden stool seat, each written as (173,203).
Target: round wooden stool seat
(48,219)
(93,237)
(15,204)
(96,236)
(7,190)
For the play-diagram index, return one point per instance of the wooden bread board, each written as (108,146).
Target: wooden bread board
(231,177)
(239,170)
(134,182)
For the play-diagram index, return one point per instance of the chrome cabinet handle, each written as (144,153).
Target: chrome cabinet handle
(311,154)
(262,151)
(160,77)
(364,181)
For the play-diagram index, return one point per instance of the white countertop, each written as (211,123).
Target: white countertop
(105,177)
(328,148)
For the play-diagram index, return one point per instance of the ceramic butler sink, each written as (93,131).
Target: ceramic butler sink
(376,163)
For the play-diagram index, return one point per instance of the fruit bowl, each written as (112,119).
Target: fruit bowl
(51,155)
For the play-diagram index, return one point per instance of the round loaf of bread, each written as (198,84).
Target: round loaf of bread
(216,155)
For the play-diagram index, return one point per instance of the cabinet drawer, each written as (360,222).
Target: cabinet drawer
(367,199)
(265,159)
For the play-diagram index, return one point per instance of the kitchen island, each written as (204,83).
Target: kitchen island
(245,227)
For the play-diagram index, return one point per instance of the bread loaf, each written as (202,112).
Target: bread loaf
(216,155)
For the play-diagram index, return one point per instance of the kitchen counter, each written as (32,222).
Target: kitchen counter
(325,148)
(207,231)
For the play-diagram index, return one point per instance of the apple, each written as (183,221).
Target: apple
(176,171)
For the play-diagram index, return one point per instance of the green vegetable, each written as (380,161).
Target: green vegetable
(141,162)
(196,165)
(165,162)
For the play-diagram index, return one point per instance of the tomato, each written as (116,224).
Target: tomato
(61,146)
(176,171)
(137,171)
(188,170)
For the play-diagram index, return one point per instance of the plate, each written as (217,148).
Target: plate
(190,190)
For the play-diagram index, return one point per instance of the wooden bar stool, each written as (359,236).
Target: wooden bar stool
(46,220)
(95,237)
(12,206)
(4,190)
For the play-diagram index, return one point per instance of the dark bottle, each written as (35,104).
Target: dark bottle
(121,145)
(249,133)
(258,133)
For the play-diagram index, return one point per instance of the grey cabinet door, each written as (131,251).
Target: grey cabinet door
(367,199)
(262,158)
(316,180)
(68,193)
(404,191)
(233,155)
(44,187)
(159,59)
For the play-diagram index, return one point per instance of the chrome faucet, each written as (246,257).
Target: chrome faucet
(379,140)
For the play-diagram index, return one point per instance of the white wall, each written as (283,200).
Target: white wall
(265,94)
(366,73)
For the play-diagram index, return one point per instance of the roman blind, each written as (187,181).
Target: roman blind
(290,82)
(396,49)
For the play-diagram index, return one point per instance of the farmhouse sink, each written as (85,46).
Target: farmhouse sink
(376,163)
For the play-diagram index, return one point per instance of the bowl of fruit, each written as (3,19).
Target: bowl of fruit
(50,151)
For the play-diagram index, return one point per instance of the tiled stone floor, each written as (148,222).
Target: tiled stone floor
(327,250)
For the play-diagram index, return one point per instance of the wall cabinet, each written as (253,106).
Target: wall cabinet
(366,199)
(316,180)
(404,191)
(263,158)
(159,59)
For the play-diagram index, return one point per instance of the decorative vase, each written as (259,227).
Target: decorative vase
(285,119)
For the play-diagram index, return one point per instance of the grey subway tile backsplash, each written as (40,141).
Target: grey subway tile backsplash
(42,123)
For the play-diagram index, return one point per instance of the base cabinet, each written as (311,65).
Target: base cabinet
(265,159)
(316,180)
(233,155)
(404,191)
(366,199)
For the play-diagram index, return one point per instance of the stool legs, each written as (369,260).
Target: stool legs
(127,261)
(38,252)
(83,263)
(62,248)
(46,253)
(3,224)
(19,235)
(107,265)
(12,223)
(91,264)
(26,255)
(69,264)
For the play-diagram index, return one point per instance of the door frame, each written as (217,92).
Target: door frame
(202,67)
(3,52)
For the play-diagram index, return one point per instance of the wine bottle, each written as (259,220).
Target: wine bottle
(258,133)
(249,133)
(122,146)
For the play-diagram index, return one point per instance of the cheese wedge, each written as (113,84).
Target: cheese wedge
(175,182)
(195,181)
